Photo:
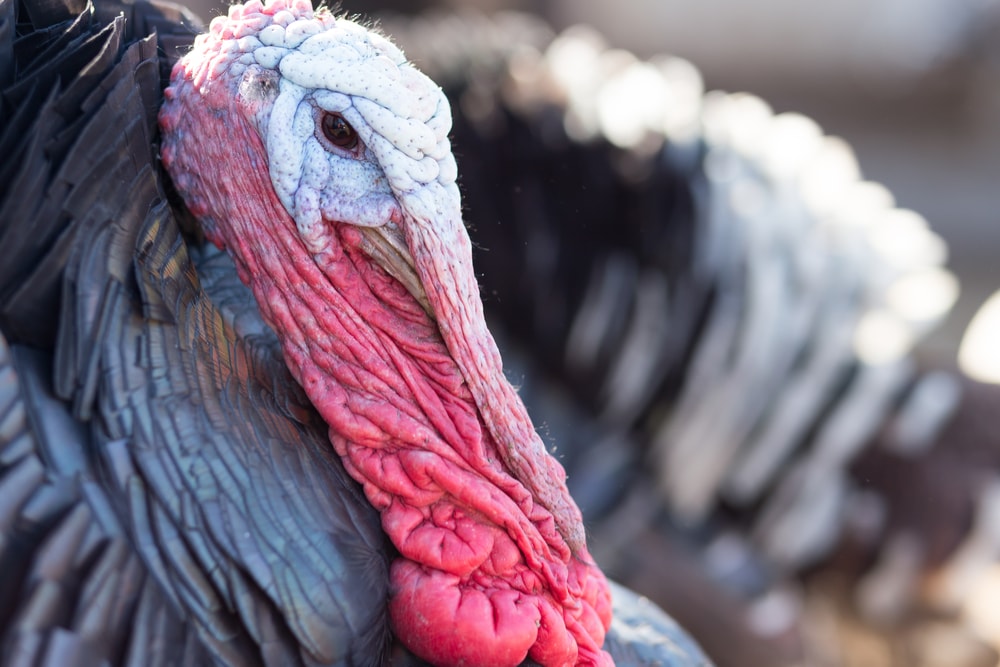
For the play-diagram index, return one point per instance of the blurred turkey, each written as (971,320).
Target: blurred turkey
(168,495)
(715,317)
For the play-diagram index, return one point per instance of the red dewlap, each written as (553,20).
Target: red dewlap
(483,580)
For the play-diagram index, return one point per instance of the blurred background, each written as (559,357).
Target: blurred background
(914,86)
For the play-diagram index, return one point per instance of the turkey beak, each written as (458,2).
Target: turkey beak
(386,245)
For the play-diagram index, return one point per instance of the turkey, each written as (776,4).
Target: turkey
(170,486)
(644,234)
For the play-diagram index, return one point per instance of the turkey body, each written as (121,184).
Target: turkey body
(168,493)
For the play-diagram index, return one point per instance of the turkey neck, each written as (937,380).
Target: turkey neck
(374,364)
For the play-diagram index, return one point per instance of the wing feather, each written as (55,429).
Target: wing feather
(166,486)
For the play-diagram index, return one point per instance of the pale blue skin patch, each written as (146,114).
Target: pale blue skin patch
(399,114)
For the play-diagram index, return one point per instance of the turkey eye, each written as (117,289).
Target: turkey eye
(339,131)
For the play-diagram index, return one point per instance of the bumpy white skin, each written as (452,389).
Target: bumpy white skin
(401,117)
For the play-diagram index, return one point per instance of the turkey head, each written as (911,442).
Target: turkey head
(319,158)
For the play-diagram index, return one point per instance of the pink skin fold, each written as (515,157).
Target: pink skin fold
(493,567)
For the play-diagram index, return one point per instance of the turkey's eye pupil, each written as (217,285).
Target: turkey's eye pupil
(339,131)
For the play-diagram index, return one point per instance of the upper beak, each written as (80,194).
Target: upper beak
(387,246)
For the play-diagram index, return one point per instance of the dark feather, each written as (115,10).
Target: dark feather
(191,478)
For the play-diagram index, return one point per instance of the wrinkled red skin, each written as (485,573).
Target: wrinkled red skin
(484,578)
